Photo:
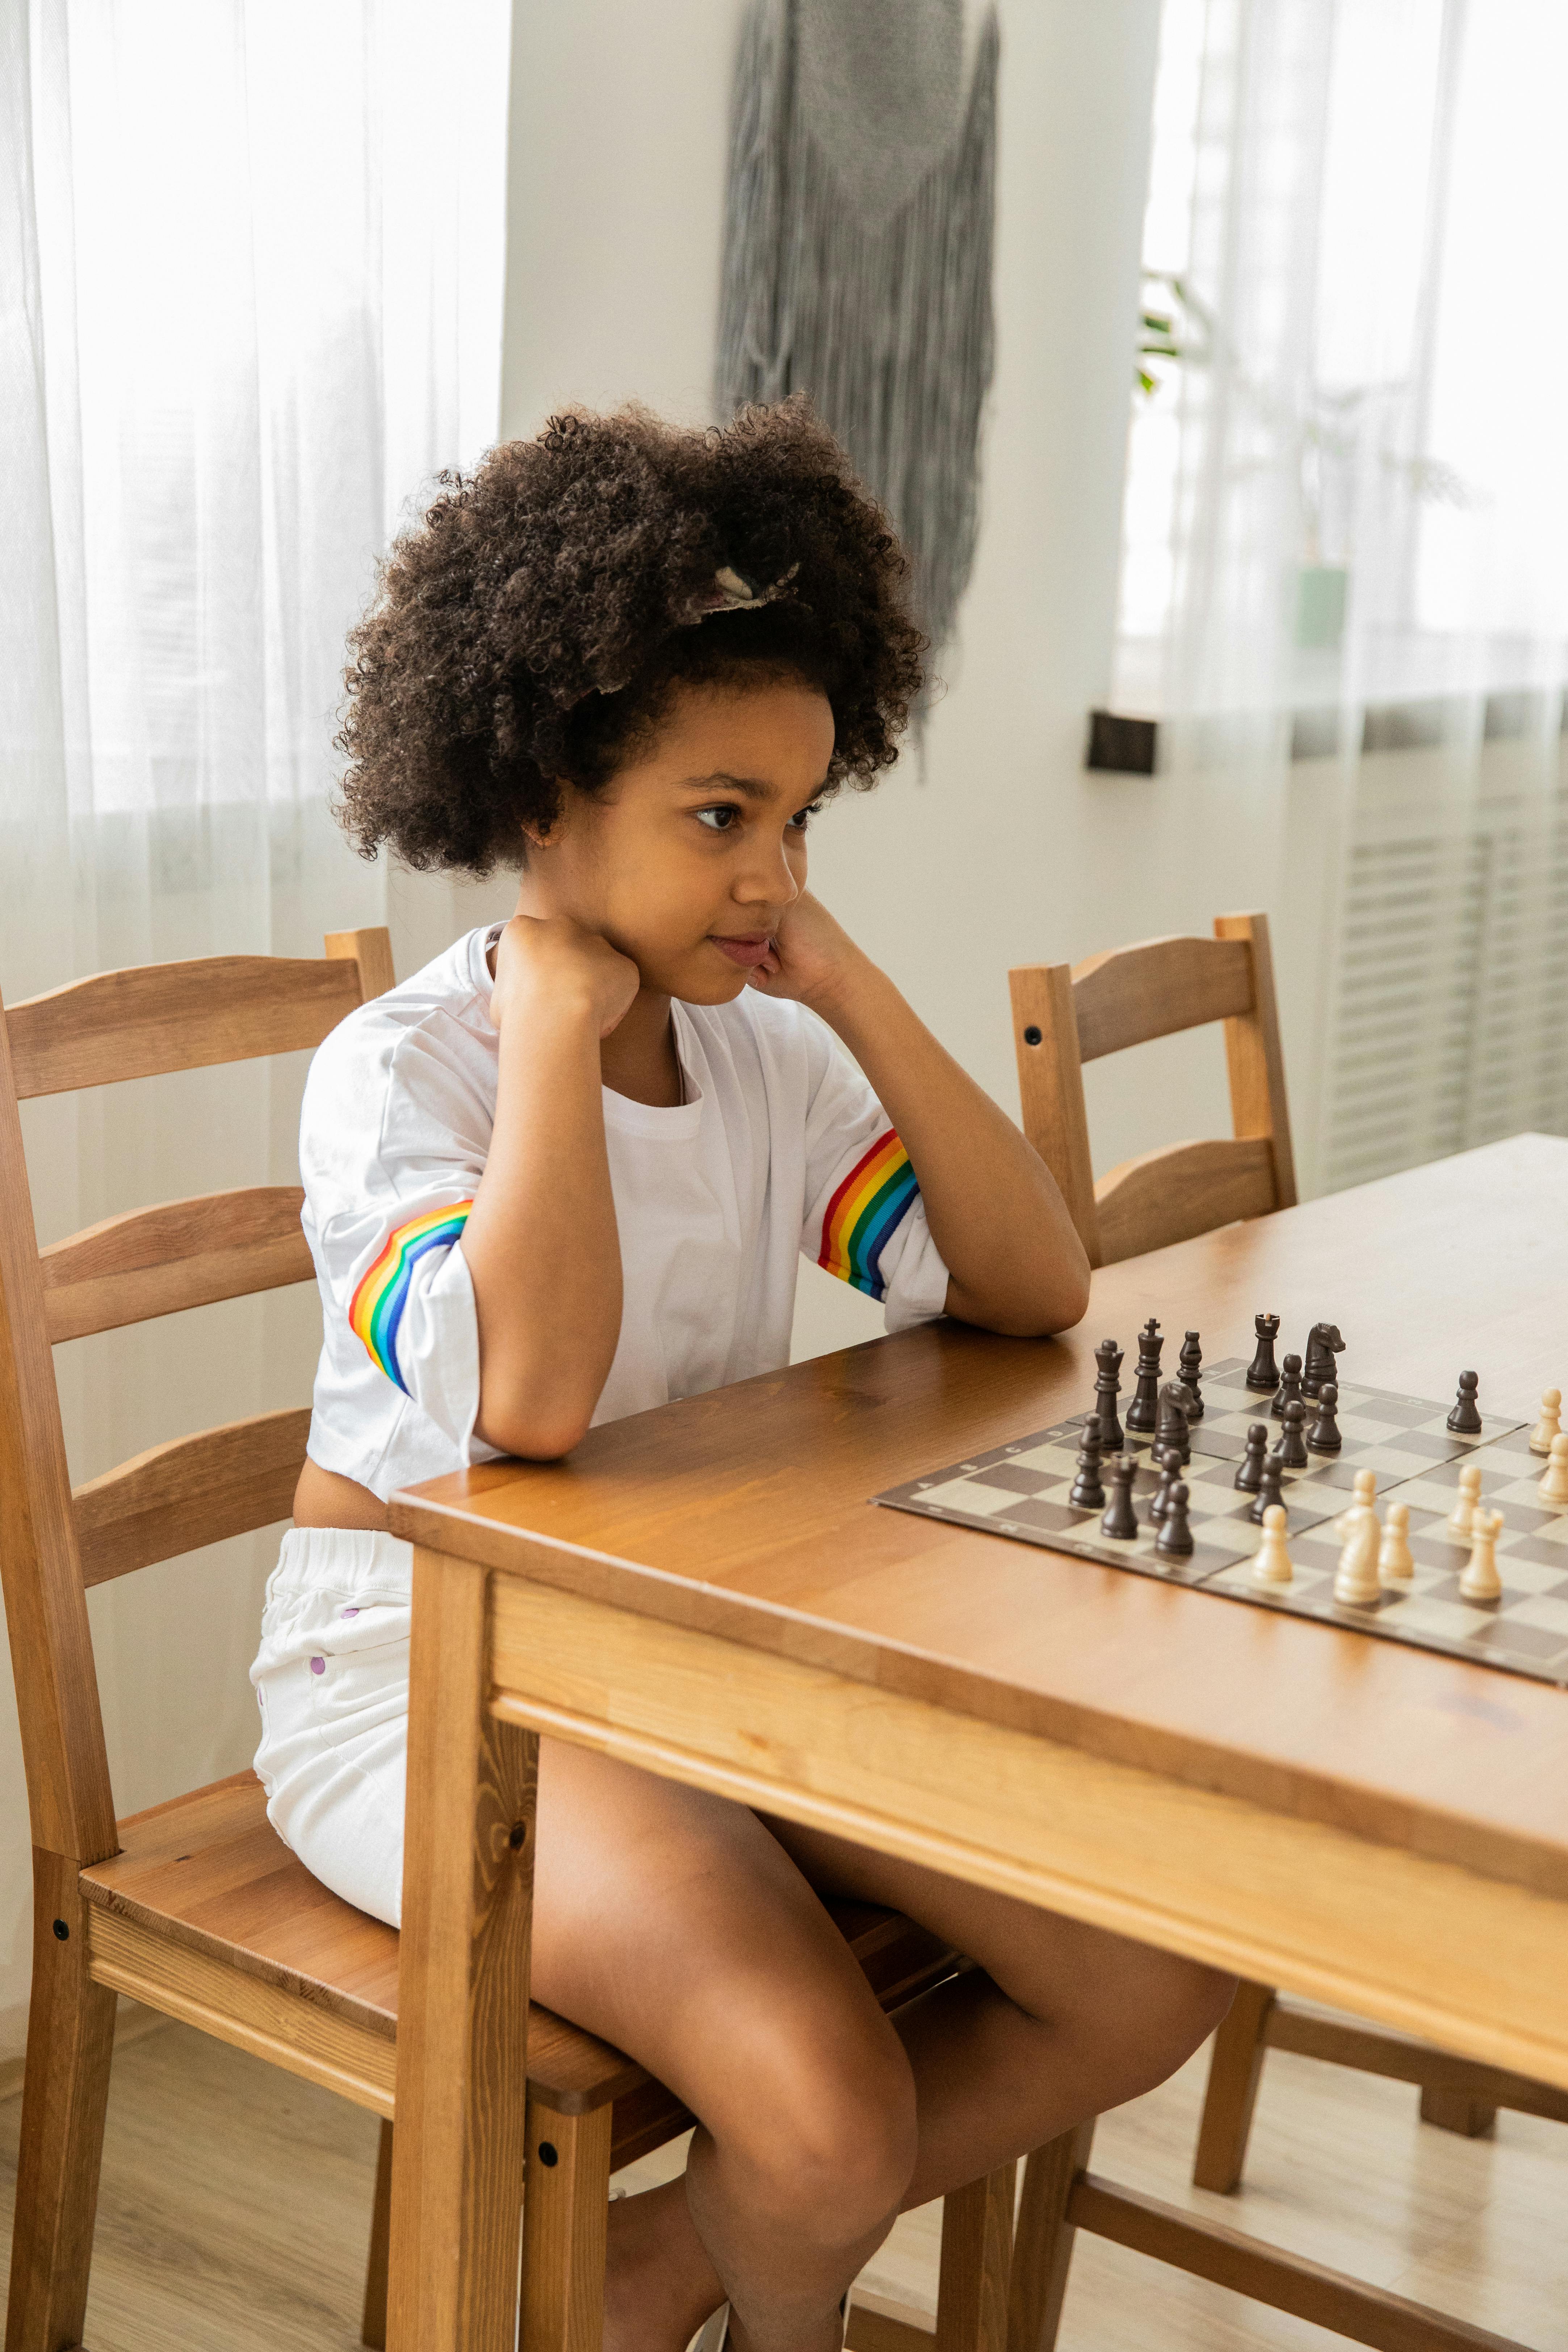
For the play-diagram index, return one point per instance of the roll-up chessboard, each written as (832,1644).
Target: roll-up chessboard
(1020,1491)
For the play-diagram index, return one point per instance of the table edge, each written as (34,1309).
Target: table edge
(1298,1790)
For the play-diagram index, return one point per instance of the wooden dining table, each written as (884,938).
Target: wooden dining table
(705,1591)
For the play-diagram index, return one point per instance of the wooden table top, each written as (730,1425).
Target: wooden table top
(744,1513)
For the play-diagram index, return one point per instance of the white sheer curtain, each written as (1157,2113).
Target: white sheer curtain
(1347,502)
(251,268)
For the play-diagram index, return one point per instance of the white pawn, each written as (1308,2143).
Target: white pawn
(1553,1488)
(1462,1517)
(1395,1565)
(1355,1579)
(1271,1561)
(1550,1421)
(1480,1581)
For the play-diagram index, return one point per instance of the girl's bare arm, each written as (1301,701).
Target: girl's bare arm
(541,1242)
(1013,1254)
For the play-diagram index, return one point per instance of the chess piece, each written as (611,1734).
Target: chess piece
(1324,1437)
(1175,1540)
(1355,1579)
(1170,1462)
(1551,1420)
(1171,1419)
(1192,1363)
(1465,1420)
(1293,1454)
(1263,1372)
(1462,1515)
(1323,1344)
(1143,1413)
(1250,1469)
(1395,1565)
(1553,1488)
(1087,1494)
(1107,1389)
(1480,1581)
(1271,1561)
(1121,1519)
(1268,1486)
(1289,1386)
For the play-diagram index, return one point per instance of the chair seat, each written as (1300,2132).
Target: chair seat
(208,1874)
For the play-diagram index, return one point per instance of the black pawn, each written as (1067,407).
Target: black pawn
(1289,1387)
(1170,1462)
(1268,1486)
(1324,1437)
(1175,1540)
(1465,1420)
(1087,1492)
(1250,1470)
(1293,1454)
(1143,1413)
(1107,1389)
(1171,1423)
(1192,1363)
(1263,1372)
(1121,1519)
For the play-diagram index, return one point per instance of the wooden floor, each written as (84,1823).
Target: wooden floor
(235,2203)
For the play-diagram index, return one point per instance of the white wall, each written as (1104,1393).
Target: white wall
(999,848)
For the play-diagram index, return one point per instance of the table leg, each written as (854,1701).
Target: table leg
(462,2027)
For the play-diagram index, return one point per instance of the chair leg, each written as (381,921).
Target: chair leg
(1454,2111)
(977,2259)
(70,2042)
(566,2212)
(1236,2069)
(372,2326)
(1042,2246)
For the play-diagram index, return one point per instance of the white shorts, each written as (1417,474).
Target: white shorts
(332,1681)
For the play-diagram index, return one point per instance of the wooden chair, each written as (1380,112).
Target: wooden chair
(1457,2095)
(197,1908)
(1067,1014)
(1062,2196)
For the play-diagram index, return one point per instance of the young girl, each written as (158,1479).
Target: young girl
(562,1174)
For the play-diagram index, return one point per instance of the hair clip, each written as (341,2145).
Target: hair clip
(732,592)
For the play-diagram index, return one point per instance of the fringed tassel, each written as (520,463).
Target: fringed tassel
(888,329)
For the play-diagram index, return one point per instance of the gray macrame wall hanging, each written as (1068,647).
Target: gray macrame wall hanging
(858,252)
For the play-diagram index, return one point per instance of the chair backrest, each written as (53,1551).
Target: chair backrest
(1067,1014)
(222,1482)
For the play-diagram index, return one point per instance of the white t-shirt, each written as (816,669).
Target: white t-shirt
(780,1146)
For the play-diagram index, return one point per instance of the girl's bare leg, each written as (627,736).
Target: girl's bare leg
(675,1925)
(685,1931)
(1057,2021)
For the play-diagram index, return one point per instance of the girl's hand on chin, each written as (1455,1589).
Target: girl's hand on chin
(549,963)
(811,958)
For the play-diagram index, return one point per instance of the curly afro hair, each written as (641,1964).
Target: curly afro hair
(531,631)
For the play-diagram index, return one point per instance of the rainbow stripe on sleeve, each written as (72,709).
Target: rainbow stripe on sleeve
(383,1291)
(865,1211)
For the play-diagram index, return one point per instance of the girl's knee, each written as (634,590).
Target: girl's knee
(825,2126)
(1145,2012)
(1182,2002)
(1198,2000)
